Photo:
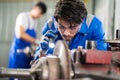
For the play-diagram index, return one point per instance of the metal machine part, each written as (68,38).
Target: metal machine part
(98,57)
(89,56)
(90,44)
(61,50)
(42,69)
(118,34)
(94,65)
(114,45)
(115,49)
(50,67)
(60,66)
(23,74)
(29,51)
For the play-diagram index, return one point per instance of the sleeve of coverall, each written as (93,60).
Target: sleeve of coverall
(45,28)
(99,35)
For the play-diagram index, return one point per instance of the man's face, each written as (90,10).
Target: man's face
(37,12)
(67,30)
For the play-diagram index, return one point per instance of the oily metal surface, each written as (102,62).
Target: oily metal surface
(61,50)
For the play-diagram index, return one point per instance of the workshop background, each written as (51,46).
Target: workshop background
(107,10)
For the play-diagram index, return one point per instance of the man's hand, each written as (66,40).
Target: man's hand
(44,44)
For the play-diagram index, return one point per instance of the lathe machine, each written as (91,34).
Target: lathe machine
(79,64)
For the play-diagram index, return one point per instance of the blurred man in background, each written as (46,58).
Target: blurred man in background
(73,24)
(25,35)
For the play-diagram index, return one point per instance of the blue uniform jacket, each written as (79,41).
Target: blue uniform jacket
(92,32)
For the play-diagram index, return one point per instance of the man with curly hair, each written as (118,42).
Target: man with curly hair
(72,23)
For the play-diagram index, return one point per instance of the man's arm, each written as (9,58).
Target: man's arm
(47,26)
(23,35)
(22,24)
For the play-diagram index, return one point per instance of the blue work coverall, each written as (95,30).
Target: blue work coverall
(92,32)
(20,59)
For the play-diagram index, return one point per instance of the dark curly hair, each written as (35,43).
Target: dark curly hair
(72,11)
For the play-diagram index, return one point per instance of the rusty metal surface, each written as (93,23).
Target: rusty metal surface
(98,57)
(95,72)
(92,56)
(102,71)
(116,60)
(116,55)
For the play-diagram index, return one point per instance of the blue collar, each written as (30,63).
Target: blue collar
(84,27)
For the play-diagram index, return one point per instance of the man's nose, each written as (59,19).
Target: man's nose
(66,32)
